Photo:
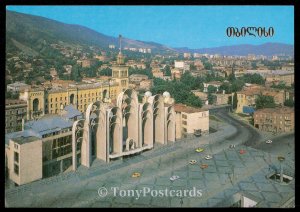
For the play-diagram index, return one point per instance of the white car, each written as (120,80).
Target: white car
(192,162)
(232,146)
(268,141)
(208,157)
(175,177)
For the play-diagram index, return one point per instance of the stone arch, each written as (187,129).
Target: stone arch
(72,97)
(157,103)
(35,104)
(77,137)
(114,138)
(146,128)
(104,94)
(94,132)
(128,103)
(170,124)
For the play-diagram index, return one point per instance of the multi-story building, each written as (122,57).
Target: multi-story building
(246,98)
(41,100)
(42,149)
(277,76)
(15,112)
(191,121)
(276,120)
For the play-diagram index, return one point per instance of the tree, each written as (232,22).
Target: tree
(234,101)
(75,73)
(289,103)
(167,71)
(211,98)
(231,77)
(263,101)
(226,87)
(254,78)
(211,89)
(193,100)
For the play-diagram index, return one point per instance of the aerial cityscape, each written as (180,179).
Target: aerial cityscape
(149,106)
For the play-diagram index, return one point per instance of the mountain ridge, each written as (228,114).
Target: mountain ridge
(267,49)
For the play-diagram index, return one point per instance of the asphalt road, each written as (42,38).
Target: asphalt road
(245,134)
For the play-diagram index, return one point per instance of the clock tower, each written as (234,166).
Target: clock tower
(120,70)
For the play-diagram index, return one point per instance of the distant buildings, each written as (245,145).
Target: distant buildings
(141,81)
(216,84)
(190,120)
(277,120)
(17,87)
(186,55)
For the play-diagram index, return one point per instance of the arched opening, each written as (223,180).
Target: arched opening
(114,139)
(35,104)
(146,133)
(72,99)
(158,119)
(104,94)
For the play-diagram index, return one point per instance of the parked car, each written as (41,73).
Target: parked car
(232,146)
(242,151)
(208,157)
(203,166)
(192,162)
(199,150)
(175,177)
(269,141)
(136,174)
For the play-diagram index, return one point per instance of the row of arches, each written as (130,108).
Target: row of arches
(127,128)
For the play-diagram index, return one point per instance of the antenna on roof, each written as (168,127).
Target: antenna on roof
(120,43)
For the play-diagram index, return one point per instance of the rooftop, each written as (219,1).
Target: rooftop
(278,110)
(22,140)
(214,83)
(187,109)
(14,102)
(48,124)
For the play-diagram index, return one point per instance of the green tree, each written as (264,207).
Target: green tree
(231,77)
(167,71)
(289,103)
(234,101)
(254,78)
(227,87)
(211,98)
(211,89)
(263,101)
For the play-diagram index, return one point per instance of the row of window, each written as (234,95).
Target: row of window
(16,111)
(56,133)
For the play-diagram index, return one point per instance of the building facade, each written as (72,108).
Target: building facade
(42,149)
(277,120)
(15,112)
(191,121)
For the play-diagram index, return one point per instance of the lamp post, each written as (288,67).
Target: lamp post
(281,159)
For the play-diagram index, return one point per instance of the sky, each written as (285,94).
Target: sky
(176,26)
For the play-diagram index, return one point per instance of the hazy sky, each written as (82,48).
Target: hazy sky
(175,26)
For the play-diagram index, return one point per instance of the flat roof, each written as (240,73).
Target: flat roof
(187,109)
(22,140)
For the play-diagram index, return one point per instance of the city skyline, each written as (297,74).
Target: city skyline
(201,25)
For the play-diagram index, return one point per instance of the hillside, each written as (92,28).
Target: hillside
(31,31)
